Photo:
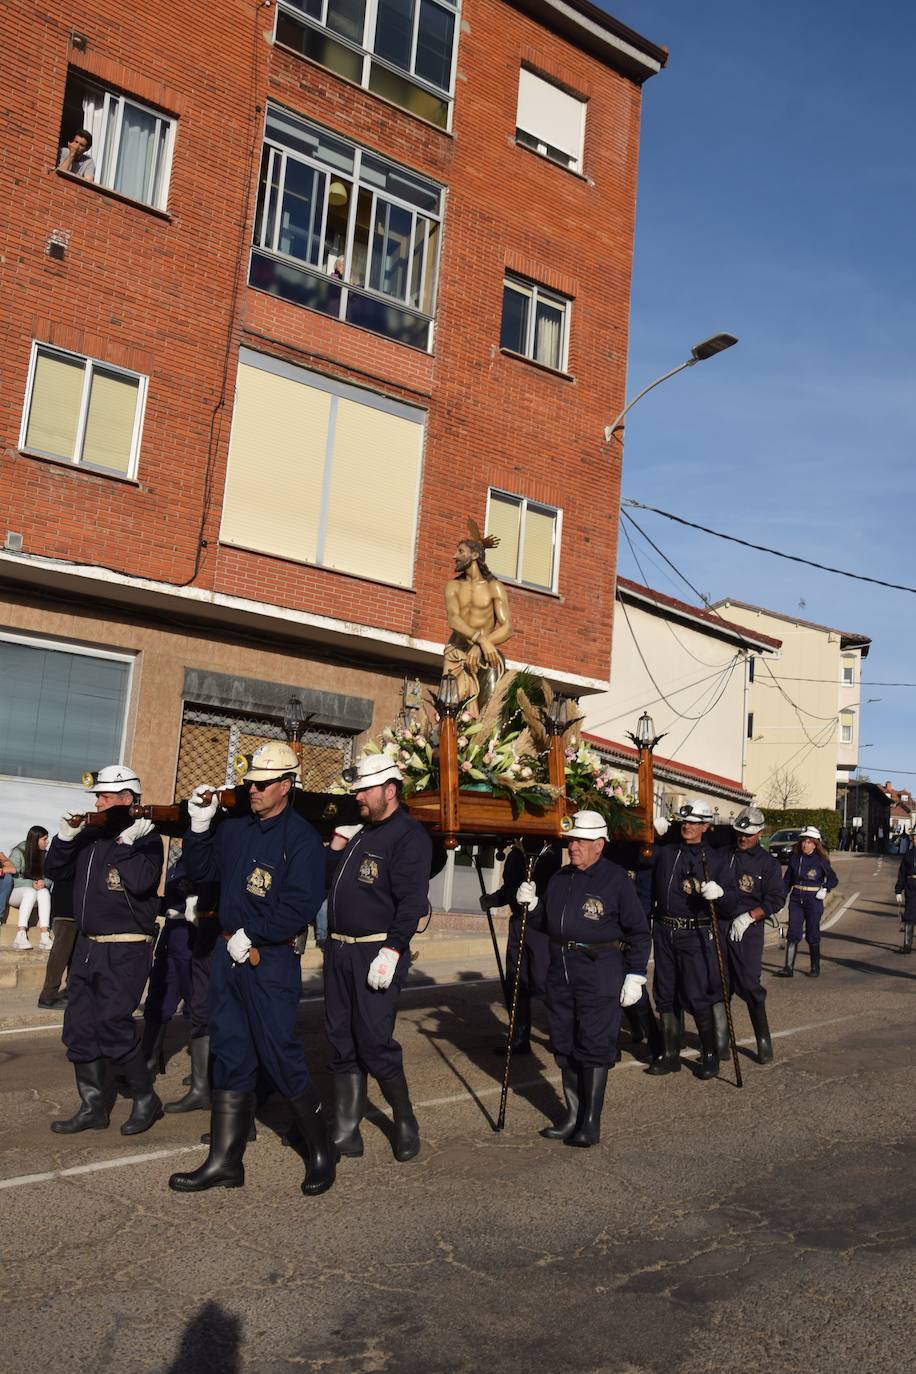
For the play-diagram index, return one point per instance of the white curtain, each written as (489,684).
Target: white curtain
(137,153)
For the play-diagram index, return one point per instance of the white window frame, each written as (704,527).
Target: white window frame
(109,141)
(77,648)
(536,293)
(89,364)
(367,53)
(849,668)
(523,502)
(846,733)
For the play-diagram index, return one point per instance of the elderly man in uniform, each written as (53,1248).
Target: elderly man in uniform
(686,968)
(758,879)
(379,892)
(599,946)
(115,870)
(270,867)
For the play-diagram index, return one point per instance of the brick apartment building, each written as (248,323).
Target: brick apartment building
(346,273)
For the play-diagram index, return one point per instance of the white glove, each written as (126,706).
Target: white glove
(238,946)
(821,893)
(632,988)
(739,925)
(346,832)
(135,832)
(381,970)
(190,910)
(900,899)
(201,812)
(527,895)
(711,890)
(66,831)
(661,826)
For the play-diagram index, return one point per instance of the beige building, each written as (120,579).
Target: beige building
(803,708)
(689,668)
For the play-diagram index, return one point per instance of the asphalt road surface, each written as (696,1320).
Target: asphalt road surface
(771,1229)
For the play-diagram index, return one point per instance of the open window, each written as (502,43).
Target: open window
(131,143)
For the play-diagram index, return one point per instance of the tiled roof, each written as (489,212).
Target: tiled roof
(698,777)
(848,637)
(683,608)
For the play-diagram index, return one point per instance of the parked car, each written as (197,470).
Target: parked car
(782,842)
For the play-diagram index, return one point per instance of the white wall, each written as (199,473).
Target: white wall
(25,802)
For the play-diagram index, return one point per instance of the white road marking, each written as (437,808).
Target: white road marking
(24,1030)
(489,1091)
(825,925)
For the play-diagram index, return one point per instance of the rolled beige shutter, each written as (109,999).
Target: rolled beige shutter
(276,465)
(110,423)
(57,392)
(372,506)
(503,523)
(537,558)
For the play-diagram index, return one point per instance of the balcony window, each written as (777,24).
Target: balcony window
(83,411)
(550,121)
(535,323)
(131,143)
(529,540)
(403,50)
(345,232)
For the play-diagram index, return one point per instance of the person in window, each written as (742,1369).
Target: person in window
(31,888)
(809,877)
(74,157)
(338,269)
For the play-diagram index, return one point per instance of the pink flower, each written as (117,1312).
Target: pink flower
(465,768)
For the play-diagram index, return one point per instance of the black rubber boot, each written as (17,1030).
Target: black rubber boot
(815,952)
(230,1116)
(147,1106)
(320,1150)
(709,1059)
(758,1014)
(92,1114)
(153,1038)
(565,1128)
(521,1040)
(349,1110)
(644,1028)
(669,1061)
(197,1098)
(588,1131)
(406,1130)
(907,946)
(788,971)
(720,1021)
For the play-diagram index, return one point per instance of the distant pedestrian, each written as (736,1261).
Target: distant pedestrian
(809,877)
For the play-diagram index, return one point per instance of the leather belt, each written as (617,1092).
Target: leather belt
(120,939)
(806,887)
(685,922)
(357,939)
(590,947)
(228,934)
(207,915)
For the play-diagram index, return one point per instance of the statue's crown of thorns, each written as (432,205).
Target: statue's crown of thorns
(485,541)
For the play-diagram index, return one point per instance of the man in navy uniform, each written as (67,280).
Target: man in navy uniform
(536,954)
(270,867)
(379,892)
(905,894)
(758,879)
(599,946)
(115,871)
(686,968)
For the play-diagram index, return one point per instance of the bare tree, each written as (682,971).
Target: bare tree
(785,790)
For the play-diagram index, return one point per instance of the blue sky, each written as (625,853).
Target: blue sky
(777,200)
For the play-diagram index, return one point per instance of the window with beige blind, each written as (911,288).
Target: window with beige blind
(321,472)
(83,411)
(529,540)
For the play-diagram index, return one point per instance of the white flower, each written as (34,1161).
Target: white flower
(390,750)
(527,773)
(462,741)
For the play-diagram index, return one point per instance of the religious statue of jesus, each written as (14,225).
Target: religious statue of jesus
(477,611)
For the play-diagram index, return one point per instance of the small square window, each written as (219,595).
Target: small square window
(529,540)
(849,674)
(549,120)
(83,411)
(115,141)
(535,323)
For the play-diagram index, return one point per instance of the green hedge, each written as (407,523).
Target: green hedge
(827,822)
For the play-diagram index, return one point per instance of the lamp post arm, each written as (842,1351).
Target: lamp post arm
(612,428)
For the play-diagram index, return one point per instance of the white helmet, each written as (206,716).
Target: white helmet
(116,777)
(268,762)
(698,812)
(371,771)
(586,825)
(810,832)
(750,821)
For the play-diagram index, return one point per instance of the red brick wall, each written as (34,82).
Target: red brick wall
(167,296)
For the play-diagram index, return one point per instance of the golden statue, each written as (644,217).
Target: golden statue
(477,611)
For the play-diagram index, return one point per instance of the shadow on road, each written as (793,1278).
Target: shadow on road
(210,1343)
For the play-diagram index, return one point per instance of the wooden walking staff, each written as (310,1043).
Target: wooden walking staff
(531,860)
(739,1082)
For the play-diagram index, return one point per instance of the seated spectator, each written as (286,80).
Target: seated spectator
(30,887)
(7,874)
(75,159)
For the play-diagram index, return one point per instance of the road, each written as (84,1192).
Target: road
(771,1228)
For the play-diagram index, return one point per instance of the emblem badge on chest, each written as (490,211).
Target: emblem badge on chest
(259,882)
(690,885)
(368,870)
(811,873)
(746,882)
(593,908)
(113,881)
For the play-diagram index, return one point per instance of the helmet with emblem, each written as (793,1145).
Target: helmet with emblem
(269,762)
(696,812)
(750,821)
(372,771)
(810,832)
(587,825)
(116,777)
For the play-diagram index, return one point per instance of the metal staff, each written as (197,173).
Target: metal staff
(516,984)
(499,962)
(739,1082)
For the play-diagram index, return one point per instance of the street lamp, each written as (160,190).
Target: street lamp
(645,740)
(708,348)
(294,721)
